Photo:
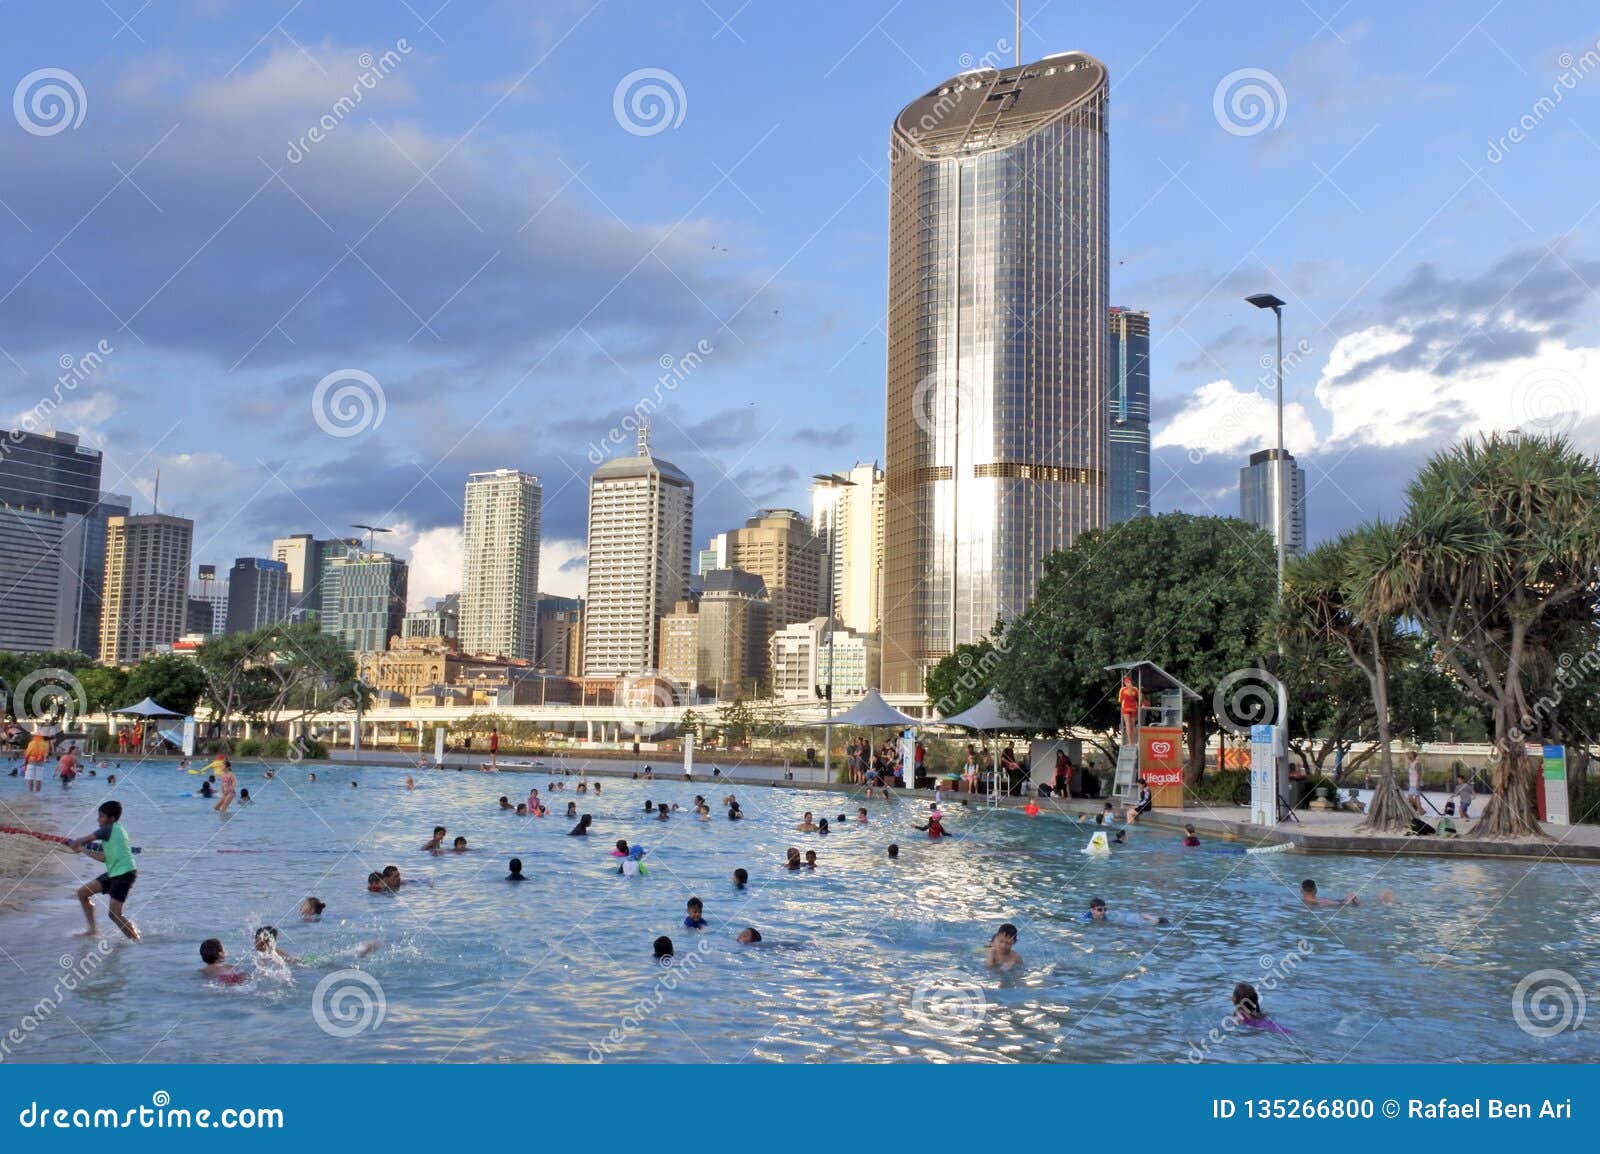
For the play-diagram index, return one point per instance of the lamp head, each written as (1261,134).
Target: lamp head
(1265,301)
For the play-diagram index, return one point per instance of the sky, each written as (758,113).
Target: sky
(315,262)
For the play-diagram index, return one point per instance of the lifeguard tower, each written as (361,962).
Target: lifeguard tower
(1154,748)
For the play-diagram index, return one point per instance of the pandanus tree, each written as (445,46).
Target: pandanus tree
(1334,595)
(1498,554)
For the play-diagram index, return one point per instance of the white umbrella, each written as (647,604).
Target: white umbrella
(147,708)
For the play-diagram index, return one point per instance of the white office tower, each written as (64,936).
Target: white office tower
(500,564)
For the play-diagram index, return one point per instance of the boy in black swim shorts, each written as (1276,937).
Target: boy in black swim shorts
(120,873)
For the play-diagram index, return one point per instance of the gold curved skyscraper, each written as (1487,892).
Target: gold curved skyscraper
(997,344)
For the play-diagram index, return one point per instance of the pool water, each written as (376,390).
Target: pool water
(865,959)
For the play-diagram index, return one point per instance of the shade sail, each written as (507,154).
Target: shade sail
(988,716)
(147,708)
(872,710)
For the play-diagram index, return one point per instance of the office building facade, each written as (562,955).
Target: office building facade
(363,597)
(146,602)
(258,594)
(735,623)
(996,445)
(1129,404)
(49,494)
(1258,498)
(847,514)
(500,564)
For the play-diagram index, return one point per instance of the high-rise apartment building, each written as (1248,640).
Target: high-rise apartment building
(94,568)
(779,546)
(847,514)
(640,550)
(500,564)
(1129,402)
(1258,498)
(146,602)
(997,343)
(258,594)
(679,647)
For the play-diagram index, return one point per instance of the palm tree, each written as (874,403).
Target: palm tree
(1337,594)
(1499,547)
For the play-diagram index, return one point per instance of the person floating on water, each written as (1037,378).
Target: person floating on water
(1002,955)
(1308,895)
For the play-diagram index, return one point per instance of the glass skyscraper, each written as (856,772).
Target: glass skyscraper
(1129,401)
(996,452)
(1258,498)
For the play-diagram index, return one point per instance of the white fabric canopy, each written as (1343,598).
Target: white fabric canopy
(988,716)
(148,708)
(872,710)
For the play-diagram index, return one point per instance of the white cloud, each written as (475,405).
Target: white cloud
(1555,388)
(1221,418)
(435,561)
(553,579)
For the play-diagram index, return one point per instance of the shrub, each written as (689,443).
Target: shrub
(249,747)
(1219,785)
(1583,800)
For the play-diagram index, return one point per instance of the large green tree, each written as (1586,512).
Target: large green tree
(170,680)
(281,672)
(1193,594)
(1499,556)
(962,679)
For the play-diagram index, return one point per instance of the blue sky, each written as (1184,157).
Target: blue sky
(485,238)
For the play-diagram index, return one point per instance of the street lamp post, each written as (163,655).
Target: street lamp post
(1269,301)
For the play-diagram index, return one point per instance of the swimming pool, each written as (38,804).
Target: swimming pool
(863,960)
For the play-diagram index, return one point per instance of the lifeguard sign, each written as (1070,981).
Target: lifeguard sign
(1159,736)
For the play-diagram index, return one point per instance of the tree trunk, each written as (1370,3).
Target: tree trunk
(1511,811)
(1196,769)
(1388,812)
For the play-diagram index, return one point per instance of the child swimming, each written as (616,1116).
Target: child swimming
(516,874)
(1097,912)
(214,959)
(694,918)
(1002,955)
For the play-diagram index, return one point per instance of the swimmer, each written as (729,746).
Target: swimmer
(649,806)
(1031,809)
(749,936)
(410,784)
(391,878)
(522,809)
(582,828)
(597,787)
(622,848)
(861,815)
(436,843)
(1097,912)
(1189,838)
(663,948)
(215,959)
(583,787)
(791,859)
(352,785)
(894,852)
(1120,837)
(662,813)
(735,813)
(111,780)
(1308,895)
(572,809)
(311,909)
(269,773)
(244,797)
(267,943)
(811,859)
(741,878)
(460,845)
(703,812)
(311,778)
(1002,955)
(694,915)
(822,827)
(633,865)
(1247,1010)
(516,874)
(806,824)
(934,827)
(505,802)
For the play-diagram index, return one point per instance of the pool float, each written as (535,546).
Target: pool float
(1098,844)
(1284,848)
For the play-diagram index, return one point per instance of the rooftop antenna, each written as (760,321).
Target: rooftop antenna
(1019,33)
(371,529)
(155,499)
(644,438)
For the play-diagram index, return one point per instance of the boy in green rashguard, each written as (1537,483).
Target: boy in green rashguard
(120,872)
